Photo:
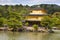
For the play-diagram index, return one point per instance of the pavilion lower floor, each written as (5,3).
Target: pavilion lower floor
(31,23)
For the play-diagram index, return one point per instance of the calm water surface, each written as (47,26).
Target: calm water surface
(29,36)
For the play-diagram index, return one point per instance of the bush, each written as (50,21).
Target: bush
(35,27)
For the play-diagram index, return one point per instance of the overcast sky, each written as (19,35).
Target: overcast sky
(29,2)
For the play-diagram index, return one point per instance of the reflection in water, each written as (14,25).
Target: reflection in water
(29,36)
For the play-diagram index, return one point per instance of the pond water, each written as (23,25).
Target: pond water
(29,36)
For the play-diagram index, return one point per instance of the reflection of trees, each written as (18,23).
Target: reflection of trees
(30,36)
(13,35)
(47,36)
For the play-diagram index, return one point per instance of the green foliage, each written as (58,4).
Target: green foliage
(26,23)
(35,27)
(3,21)
(49,22)
(57,16)
(12,15)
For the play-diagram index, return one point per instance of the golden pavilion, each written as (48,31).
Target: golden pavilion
(35,16)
